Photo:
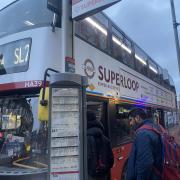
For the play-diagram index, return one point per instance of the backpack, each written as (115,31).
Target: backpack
(100,155)
(170,154)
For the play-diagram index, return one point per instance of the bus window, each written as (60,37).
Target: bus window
(103,21)
(94,30)
(166,78)
(100,109)
(16,116)
(153,71)
(15,56)
(160,70)
(24,15)
(141,61)
(121,131)
(19,122)
(170,119)
(122,48)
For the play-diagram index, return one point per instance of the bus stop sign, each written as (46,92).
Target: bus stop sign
(67,127)
(83,8)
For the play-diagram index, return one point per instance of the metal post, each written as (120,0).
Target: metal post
(66,35)
(175,25)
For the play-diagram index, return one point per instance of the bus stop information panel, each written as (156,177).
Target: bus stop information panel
(66,138)
(65,133)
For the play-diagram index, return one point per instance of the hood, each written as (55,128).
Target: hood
(95,123)
(94,131)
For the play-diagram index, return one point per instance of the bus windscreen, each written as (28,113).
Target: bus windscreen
(14,56)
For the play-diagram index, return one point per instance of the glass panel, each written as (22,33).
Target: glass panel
(102,19)
(153,67)
(160,70)
(23,15)
(165,74)
(22,134)
(165,78)
(170,119)
(14,56)
(141,61)
(122,48)
(153,71)
(97,108)
(121,130)
(94,30)
(171,81)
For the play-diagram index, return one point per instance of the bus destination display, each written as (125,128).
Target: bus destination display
(14,56)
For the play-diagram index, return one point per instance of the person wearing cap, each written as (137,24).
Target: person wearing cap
(145,160)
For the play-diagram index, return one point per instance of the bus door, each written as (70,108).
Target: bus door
(160,114)
(121,138)
(99,106)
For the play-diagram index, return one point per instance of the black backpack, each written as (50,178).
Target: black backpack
(100,155)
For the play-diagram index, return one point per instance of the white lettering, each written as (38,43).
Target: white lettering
(29,84)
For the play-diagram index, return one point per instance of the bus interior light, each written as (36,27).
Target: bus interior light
(153,69)
(96,25)
(126,48)
(140,59)
(118,42)
(29,23)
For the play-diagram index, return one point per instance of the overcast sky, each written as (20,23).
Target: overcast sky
(149,24)
(4,3)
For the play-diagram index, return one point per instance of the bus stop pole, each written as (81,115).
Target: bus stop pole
(175,25)
(67,33)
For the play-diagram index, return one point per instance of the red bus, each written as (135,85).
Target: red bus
(121,77)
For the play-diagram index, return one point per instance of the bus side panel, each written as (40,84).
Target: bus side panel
(121,154)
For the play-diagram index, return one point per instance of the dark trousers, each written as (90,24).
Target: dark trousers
(98,178)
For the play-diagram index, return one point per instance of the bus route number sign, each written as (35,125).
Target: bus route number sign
(14,56)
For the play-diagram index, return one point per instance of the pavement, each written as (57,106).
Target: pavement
(29,177)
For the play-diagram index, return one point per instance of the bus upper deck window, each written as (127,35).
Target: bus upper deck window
(141,60)
(122,48)
(94,30)
(153,70)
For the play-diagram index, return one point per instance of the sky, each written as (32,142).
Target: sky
(4,3)
(149,24)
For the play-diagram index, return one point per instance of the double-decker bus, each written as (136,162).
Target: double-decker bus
(121,77)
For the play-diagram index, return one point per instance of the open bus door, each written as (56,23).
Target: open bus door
(100,107)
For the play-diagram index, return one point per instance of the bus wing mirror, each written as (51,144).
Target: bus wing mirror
(55,6)
(43,111)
